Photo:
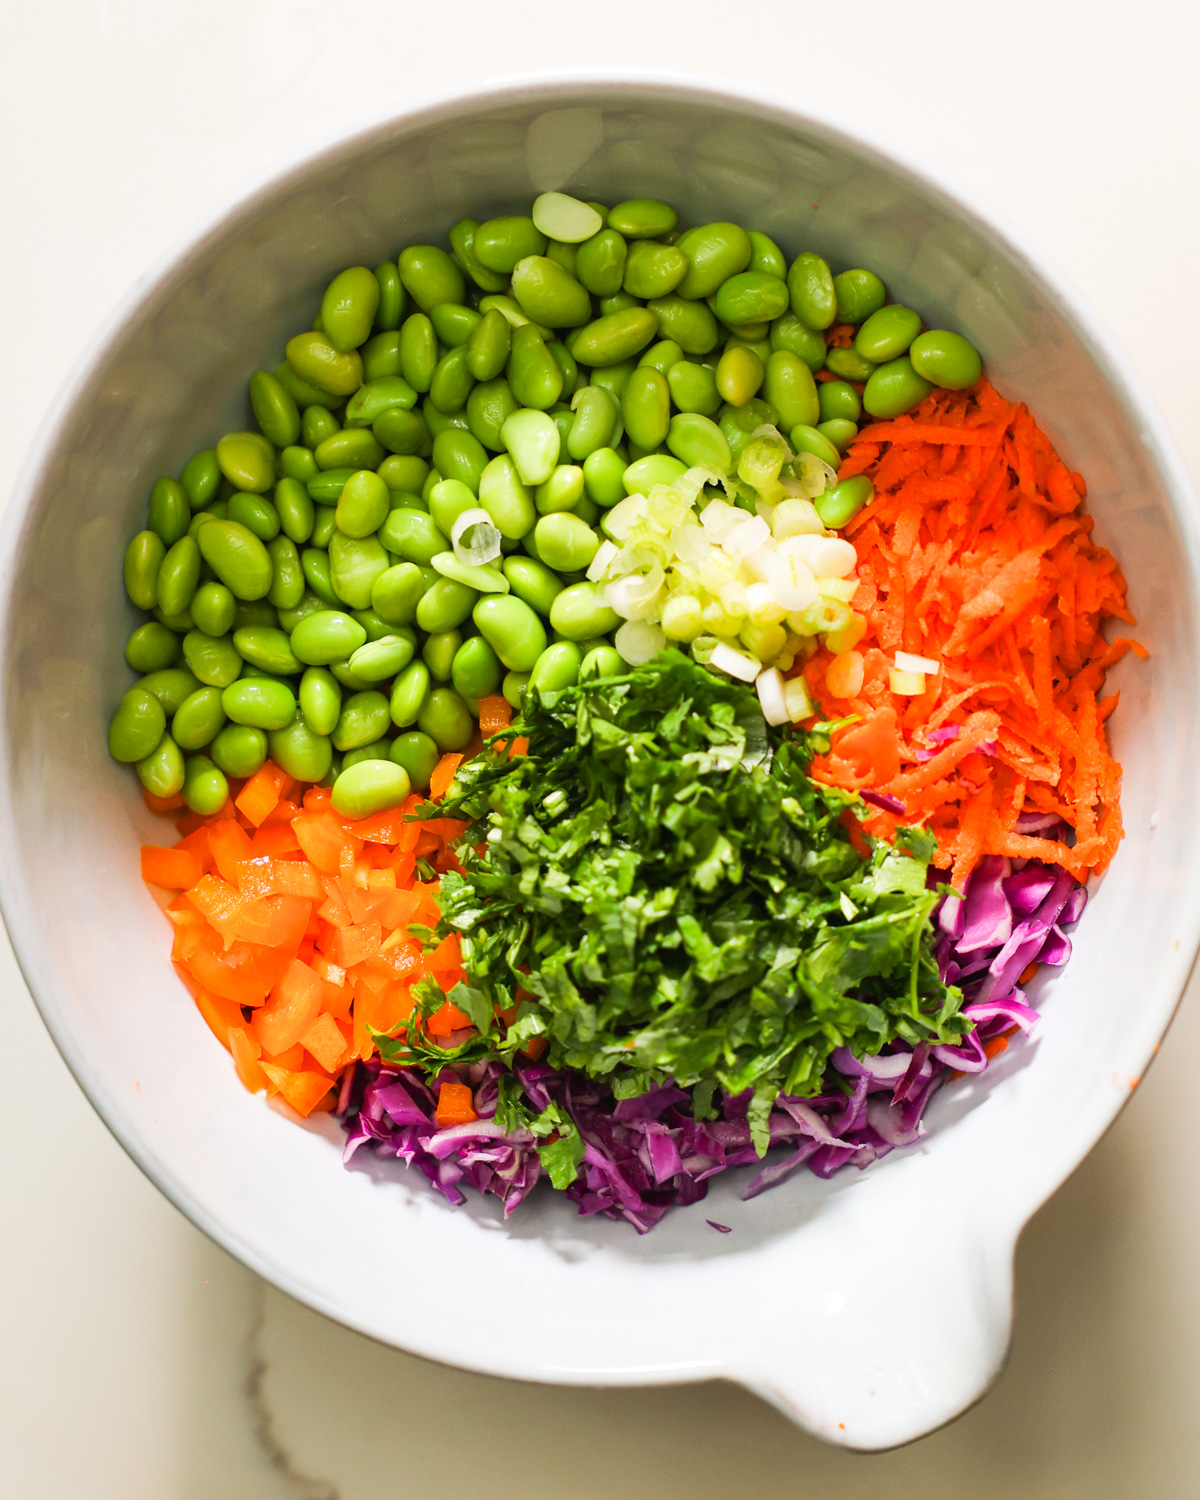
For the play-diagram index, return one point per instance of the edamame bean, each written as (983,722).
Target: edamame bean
(152,648)
(368,787)
(400,431)
(462,241)
(945,359)
(376,750)
(205,789)
(451,383)
(565,543)
(180,623)
(489,406)
(548,294)
(500,244)
(178,576)
(240,750)
(302,391)
(805,438)
(379,660)
(662,356)
(430,277)
(564,218)
(653,270)
(533,582)
(714,253)
(840,503)
(887,333)
(838,398)
(604,475)
(324,525)
(475,669)
(201,478)
(489,345)
(275,411)
(438,654)
(247,460)
(378,396)
(301,751)
(261,612)
(577,614)
(348,307)
(413,535)
(617,336)
(750,297)
(317,424)
(601,661)
(170,686)
(840,431)
(512,314)
(691,325)
(313,357)
(646,407)
(170,513)
(403,473)
(392,296)
(255,513)
(694,388)
(214,660)
(418,351)
(410,692)
(354,565)
(810,287)
(593,422)
(694,440)
(326,636)
(791,390)
(557,668)
(162,771)
(136,727)
(448,500)
(454,324)
(352,448)
(459,456)
(562,491)
(198,719)
(419,755)
(375,626)
(445,606)
(642,218)
(320,700)
(381,355)
(513,686)
(363,505)
(639,478)
(512,629)
(533,373)
(395,593)
(447,721)
(859,294)
(294,507)
(143,560)
(894,388)
(848,364)
(364,717)
(438,421)
(614,378)
(789,333)
(261,702)
(766,255)
(566,363)
(266,647)
(739,375)
(600,263)
(237,557)
(533,442)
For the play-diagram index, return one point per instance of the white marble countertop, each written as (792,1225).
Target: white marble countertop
(140,1361)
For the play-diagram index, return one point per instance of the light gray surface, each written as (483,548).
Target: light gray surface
(175,110)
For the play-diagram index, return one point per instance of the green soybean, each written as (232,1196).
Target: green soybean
(859,293)
(448,500)
(653,270)
(887,333)
(170,513)
(162,771)
(445,606)
(261,702)
(348,307)
(438,421)
(489,406)
(178,576)
(409,693)
(400,431)
(152,648)
(811,291)
(320,699)
(689,324)
(213,660)
(418,754)
(512,629)
(945,359)
(462,241)
(198,719)
(380,659)
(751,297)
(430,276)
(601,661)
(301,750)
(894,388)
(413,535)
(274,409)
(840,431)
(454,324)
(475,669)
(840,503)
(326,636)
(738,376)
(136,727)
(447,720)
(805,438)
(642,218)
(294,507)
(562,491)
(600,263)
(789,333)
(255,513)
(418,351)
(603,476)
(838,398)
(378,396)
(324,525)
(170,686)
(791,390)
(377,750)
(143,560)
(694,439)
(317,424)
(513,686)
(451,383)
(593,422)
(375,625)
(392,296)
(403,473)
(616,337)
(240,750)
(848,364)
(532,372)
(438,653)
(354,565)
(556,668)
(201,478)
(533,582)
(267,647)
(656,468)
(303,392)
(352,448)
(364,717)
(315,359)
(368,787)
(549,294)
(500,244)
(381,355)
(577,614)
(237,557)
(565,543)
(205,789)
(489,345)
(395,593)
(247,460)
(693,388)
(646,407)
(459,456)
(714,253)
(363,505)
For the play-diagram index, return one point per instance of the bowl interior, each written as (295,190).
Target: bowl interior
(807,1326)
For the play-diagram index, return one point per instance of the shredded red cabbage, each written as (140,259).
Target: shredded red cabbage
(644,1155)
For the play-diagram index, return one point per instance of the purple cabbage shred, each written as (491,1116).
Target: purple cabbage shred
(644,1155)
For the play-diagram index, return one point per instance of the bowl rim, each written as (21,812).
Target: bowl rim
(559,87)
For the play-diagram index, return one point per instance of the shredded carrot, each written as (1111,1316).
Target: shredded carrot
(975,552)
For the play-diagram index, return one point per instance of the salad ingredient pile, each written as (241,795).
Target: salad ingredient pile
(770,673)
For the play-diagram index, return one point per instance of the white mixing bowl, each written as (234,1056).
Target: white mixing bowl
(870,1308)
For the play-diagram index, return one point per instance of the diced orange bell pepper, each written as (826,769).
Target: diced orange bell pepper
(161,804)
(449,1018)
(324,841)
(230,847)
(222,1016)
(494,714)
(173,869)
(294,1005)
(455,1106)
(443,775)
(272,921)
(303,1090)
(325,1041)
(245,1059)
